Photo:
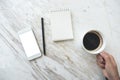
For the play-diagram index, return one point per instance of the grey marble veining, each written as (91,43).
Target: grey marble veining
(65,60)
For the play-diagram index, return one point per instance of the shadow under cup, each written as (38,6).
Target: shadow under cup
(93,42)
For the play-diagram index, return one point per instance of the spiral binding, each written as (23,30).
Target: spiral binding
(59,10)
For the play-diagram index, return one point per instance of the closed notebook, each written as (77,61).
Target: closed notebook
(61,25)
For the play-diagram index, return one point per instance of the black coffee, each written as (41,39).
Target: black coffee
(91,41)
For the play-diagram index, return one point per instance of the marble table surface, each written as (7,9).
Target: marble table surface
(65,60)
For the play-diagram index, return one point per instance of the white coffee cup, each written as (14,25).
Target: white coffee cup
(101,46)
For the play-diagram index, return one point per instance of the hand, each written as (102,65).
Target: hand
(108,65)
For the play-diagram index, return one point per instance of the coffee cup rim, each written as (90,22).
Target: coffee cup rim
(102,46)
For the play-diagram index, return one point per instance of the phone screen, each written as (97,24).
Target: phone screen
(30,44)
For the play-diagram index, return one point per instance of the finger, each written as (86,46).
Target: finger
(112,60)
(99,58)
(106,57)
(101,65)
(105,73)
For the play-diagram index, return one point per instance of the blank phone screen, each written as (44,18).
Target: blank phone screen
(29,44)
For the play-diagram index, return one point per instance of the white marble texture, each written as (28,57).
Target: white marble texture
(65,60)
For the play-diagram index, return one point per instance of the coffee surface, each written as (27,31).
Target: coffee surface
(91,41)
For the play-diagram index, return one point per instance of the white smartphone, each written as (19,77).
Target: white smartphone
(29,43)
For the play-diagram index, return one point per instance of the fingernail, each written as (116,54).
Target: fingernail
(102,52)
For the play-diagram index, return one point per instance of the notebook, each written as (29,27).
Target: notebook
(61,25)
